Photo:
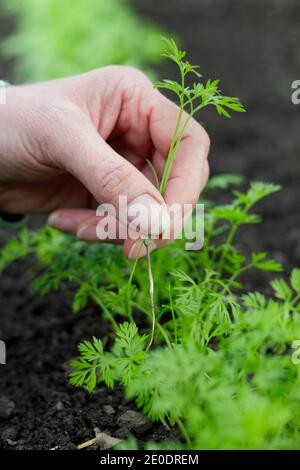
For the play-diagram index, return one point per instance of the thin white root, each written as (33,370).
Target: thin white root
(151,294)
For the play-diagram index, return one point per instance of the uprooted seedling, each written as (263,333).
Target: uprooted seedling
(193,96)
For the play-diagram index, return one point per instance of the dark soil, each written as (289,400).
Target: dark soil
(253,47)
(38,409)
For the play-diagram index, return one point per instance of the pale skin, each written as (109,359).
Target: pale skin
(69,144)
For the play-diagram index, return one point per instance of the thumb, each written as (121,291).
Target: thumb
(111,179)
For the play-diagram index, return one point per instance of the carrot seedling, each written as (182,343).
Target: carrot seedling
(193,97)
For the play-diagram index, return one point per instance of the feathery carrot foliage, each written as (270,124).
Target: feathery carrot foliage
(222,368)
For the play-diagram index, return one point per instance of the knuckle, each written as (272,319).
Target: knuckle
(127,73)
(115,180)
(135,73)
(134,79)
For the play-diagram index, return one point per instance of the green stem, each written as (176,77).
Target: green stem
(191,264)
(170,159)
(105,309)
(231,236)
(164,180)
(228,241)
(241,271)
(172,155)
(158,325)
(164,334)
(184,433)
(151,294)
(173,315)
(295,300)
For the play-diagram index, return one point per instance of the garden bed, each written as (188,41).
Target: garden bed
(254,49)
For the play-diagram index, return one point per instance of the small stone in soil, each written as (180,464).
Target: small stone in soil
(9,434)
(122,433)
(109,410)
(69,421)
(7,407)
(11,443)
(59,406)
(134,421)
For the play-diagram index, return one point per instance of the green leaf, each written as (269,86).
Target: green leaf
(169,85)
(222,111)
(91,350)
(254,301)
(281,289)
(81,297)
(259,261)
(17,247)
(234,215)
(224,181)
(295,280)
(260,190)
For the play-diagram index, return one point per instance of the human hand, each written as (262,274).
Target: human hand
(69,144)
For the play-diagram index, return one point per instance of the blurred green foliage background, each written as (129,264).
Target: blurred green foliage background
(55,38)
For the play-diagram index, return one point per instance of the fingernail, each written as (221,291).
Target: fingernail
(61,222)
(146,214)
(138,249)
(87,232)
